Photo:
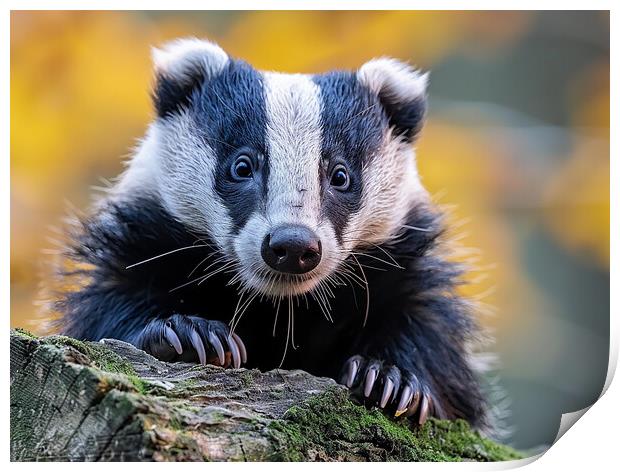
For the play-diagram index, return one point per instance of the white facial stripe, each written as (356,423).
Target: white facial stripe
(186,181)
(391,187)
(293,138)
(294,145)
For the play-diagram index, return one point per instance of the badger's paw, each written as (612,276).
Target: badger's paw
(397,391)
(192,339)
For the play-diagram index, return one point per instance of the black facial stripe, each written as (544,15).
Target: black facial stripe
(230,110)
(171,95)
(353,123)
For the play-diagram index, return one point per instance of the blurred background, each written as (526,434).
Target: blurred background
(517,140)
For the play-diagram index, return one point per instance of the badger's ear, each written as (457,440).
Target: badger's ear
(180,66)
(401,90)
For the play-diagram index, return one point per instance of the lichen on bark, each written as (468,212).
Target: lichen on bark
(73,400)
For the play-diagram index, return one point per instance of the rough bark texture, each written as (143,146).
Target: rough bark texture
(72,400)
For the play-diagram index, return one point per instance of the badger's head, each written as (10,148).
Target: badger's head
(287,174)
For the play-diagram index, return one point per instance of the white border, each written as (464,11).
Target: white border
(592,443)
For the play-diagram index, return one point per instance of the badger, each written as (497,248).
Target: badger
(273,220)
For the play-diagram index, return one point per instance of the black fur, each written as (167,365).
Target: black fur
(230,111)
(171,95)
(415,321)
(407,118)
(352,122)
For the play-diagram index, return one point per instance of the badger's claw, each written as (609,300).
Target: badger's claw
(242,350)
(388,388)
(173,339)
(397,391)
(236,355)
(425,408)
(192,339)
(371,377)
(217,345)
(351,369)
(405,399)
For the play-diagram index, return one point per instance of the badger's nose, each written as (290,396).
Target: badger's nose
(292,249)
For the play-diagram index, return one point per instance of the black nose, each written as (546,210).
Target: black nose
(292,249)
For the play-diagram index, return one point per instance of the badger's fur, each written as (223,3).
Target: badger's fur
(182,247)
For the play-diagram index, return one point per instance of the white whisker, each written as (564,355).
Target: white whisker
(367,292)
(166,254)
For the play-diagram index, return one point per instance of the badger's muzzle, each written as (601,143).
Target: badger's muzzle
(292,249)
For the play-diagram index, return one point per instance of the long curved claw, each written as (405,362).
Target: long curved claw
(388,387)
(234,350)
(242,350)
(424,410)
(173,339)
(371,377)
(405,398)
(413,406)
(217,345)
(352,372)
(199,346)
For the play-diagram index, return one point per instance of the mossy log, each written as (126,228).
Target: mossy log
(109,401)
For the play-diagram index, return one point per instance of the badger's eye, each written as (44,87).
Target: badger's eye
(242,168)
(340,178)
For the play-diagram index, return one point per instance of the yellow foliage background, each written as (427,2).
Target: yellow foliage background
(517,139)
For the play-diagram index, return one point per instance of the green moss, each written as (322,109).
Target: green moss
(102,358)
(457,439)
(100,355)
(247,378)
(24,333)
(330,425)
(139,384)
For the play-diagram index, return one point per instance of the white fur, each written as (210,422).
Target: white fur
(175,166)
(294,143)
(391,188)
(294,140)
(186,180)
(177,58)
(393,78)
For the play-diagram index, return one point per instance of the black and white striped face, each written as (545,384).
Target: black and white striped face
(286,173)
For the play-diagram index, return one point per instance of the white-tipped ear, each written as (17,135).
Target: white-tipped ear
(401,90)
(180,58)
(401,80)
(180,67)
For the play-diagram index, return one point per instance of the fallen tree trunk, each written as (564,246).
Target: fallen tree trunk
(72,400)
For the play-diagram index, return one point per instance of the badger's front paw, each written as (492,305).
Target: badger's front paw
(398,391)
(192,339)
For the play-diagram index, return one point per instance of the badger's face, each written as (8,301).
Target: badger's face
(287,174)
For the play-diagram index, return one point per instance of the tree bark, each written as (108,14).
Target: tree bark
(109,401)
